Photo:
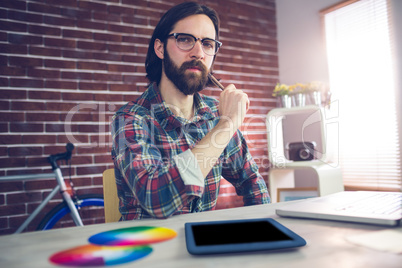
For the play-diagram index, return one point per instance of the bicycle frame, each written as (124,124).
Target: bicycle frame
(66,196)
(60,187)
(43,204)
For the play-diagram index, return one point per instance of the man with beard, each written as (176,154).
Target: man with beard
(172,145)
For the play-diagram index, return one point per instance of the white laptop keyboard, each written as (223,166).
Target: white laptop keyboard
(380,203)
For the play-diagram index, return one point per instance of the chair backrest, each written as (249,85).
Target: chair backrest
(111,200)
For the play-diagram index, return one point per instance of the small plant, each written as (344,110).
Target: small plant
(281,90)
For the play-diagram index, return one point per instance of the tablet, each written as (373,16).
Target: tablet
(214,237)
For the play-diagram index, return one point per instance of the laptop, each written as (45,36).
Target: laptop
(379,208)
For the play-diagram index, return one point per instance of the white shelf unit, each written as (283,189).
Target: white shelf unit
(304,124)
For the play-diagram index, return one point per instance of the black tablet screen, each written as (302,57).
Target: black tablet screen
(236,233)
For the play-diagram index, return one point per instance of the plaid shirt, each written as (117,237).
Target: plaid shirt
(152,159)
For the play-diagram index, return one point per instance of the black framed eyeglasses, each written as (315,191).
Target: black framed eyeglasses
(186,42)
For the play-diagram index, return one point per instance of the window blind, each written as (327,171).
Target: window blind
(362,81)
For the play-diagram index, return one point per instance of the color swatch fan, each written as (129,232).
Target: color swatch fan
(133,236)
(94,255)
(114,247)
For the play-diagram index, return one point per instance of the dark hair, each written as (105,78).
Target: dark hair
(153,64)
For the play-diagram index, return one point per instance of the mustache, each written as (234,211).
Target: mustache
(194,63)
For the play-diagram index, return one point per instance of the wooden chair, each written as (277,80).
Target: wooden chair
(112,213)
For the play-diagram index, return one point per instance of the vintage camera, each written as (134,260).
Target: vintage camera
(301,151)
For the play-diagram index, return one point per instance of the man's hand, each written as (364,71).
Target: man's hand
(233,106)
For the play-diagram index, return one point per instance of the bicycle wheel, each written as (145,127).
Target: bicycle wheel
(89,201)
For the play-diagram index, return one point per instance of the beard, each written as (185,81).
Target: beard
(187,83)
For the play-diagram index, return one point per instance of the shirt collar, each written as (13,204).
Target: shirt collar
(166,117)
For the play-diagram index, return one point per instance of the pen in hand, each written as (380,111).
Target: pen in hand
(218,84)
(215,81)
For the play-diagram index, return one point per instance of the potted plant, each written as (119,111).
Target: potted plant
(281,92)
(314,90)
(298,94)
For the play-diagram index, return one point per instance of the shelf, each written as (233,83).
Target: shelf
(301,125)
(306,123)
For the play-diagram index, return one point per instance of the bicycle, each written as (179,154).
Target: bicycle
(72,203)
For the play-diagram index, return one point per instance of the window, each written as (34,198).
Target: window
(362,80)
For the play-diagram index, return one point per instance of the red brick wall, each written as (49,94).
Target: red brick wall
(67,66)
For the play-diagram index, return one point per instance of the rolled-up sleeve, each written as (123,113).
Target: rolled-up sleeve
(189,170)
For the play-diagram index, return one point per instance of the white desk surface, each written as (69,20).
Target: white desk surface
(326,244)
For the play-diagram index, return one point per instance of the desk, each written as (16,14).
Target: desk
(326,244)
